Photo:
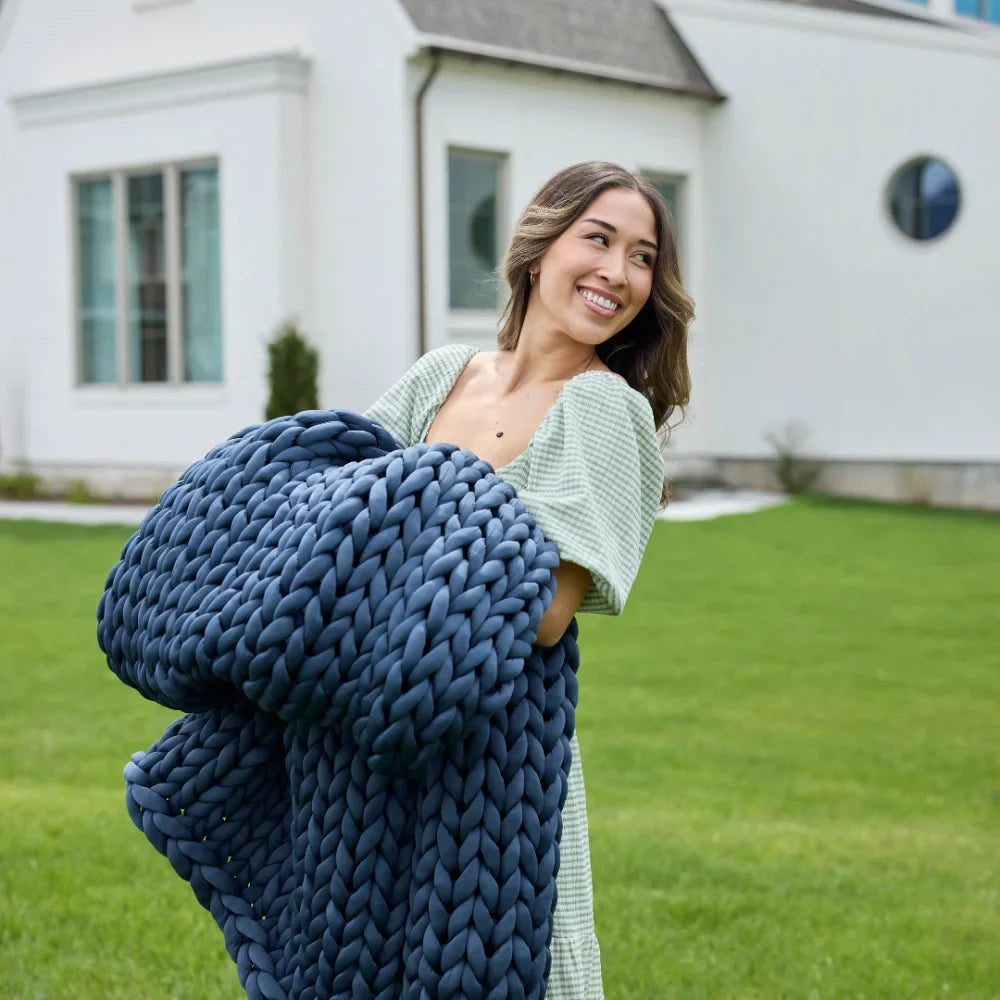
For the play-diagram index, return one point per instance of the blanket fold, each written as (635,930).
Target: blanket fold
(366,789)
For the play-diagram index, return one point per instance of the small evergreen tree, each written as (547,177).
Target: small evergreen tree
(293,366)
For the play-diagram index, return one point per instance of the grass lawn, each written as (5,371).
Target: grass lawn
(791,744)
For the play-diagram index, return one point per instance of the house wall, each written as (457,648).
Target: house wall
(820,311)
(119,86)
(362,198)
(311,140)
(55,44)
(88,427)
(543,122)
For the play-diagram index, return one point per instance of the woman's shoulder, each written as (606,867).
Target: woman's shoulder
(603,398)
(431,376)
(402,409)
(595,481)
(613,426)
(442,362)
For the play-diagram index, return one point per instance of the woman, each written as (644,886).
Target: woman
(591,361)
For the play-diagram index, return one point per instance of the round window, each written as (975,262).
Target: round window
(924,198)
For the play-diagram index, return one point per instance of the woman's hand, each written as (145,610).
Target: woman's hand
(572,582)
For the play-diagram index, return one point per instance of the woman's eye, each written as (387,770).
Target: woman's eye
(598,236)
(646,258)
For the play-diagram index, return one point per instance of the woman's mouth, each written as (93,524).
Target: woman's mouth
(598,303)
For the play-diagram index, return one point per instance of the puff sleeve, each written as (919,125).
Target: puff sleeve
(403,409)
(593,483)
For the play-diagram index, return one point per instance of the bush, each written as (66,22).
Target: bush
(293,366)
(78,491)
(19,486)
(796,472)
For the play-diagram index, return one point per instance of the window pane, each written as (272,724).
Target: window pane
(473,185)
(200,275)
(669,191)
(924,198)
(147,286)
(906,201)
(968,7)
(96,248)
(939,189)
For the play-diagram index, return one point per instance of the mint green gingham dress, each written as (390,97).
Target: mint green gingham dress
(591,477)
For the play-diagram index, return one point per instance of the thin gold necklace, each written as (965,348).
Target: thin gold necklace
(580,372)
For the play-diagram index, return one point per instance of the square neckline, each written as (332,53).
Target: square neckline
(538,430)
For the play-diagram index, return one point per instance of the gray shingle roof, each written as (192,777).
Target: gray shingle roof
(630,40)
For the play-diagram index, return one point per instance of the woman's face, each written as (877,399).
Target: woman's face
(594,279)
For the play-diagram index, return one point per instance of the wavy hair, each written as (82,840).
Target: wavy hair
(651,352)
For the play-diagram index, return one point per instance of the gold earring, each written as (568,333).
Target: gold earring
(531,277)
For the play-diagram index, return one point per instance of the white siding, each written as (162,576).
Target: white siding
(362,193)
(819,309)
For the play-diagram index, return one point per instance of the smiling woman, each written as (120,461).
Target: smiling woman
(647,347)
(591,362)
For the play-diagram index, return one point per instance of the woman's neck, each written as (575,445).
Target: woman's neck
(543,355)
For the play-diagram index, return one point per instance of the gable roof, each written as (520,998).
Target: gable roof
(637,44)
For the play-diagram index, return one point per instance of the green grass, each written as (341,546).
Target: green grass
(90,911)
(791,743)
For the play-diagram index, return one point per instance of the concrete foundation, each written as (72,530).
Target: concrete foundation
(943,484)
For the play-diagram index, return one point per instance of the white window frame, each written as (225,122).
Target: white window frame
(172,259)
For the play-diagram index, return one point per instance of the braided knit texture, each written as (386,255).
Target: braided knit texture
(366,788)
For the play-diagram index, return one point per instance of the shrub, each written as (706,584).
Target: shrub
(794,470)
(77,491)
(19,486)
(293,366)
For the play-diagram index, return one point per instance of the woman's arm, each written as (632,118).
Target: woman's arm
(572,582)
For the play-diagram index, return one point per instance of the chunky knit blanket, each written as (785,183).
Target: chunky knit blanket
(366,789)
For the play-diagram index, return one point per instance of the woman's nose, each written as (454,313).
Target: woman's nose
(613,269)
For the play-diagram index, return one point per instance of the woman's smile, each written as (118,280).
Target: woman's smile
(603,305)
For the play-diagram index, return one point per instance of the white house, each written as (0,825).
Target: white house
(178,177)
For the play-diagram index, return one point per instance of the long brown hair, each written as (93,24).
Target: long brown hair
(651,352)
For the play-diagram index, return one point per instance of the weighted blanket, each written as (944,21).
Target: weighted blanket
(366,788)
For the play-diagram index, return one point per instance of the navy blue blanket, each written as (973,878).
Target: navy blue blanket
(366,788)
